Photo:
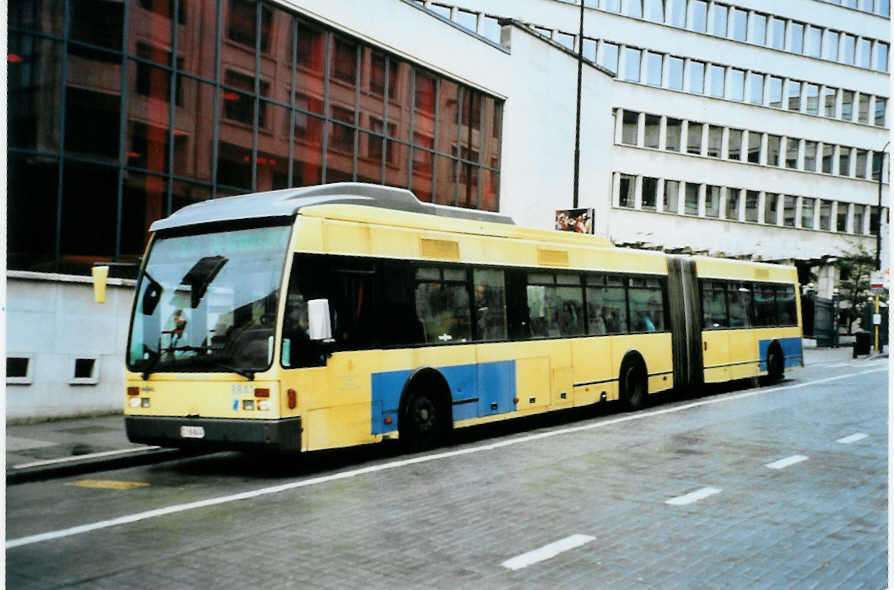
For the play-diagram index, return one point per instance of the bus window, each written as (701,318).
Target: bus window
(785,305)
(596,316)
(490,304)
(646,305)
(739,299)
(713,305)
(443,304)
(399,320)
(615,305)
(555,309)
(764,306)
(307,281)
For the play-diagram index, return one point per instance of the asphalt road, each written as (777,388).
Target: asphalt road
(771,487)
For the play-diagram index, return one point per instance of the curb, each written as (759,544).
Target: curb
(89,465)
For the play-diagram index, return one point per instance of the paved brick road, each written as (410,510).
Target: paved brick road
(452,520)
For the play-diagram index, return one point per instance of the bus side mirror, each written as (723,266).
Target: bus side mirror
(319,324)
(100,274)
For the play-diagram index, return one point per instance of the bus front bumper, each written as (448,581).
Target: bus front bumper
(223,433)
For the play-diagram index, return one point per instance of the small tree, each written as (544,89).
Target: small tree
(854,271)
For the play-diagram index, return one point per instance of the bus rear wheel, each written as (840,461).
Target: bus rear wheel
(423,422)
(634,389)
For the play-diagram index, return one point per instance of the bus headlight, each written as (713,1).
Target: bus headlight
(134,402)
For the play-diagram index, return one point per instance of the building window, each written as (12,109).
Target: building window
(717,80)
(792,150)
(696,77)
(752,201)
(732,204)
(796,37)
(715,140)
(675,73)
(653,68)
(653,126)
(756,88)
(844,161)
(813,41)
(776,38)
(754,147)
(811,98)
(847,105)
(630,128)
(774,91)
(876,165)
(242,26)
(631,64)
(673,133)
(793,95)
(830,45)
(771,208)
(810,156)
(691,205)
(863,109)
(881,56)
(880,104)
(874,220)
(828,156)
(864,52)
(734,144)
(694,141)
(848,48)
(712,201)
(698,16)
(735,84)
(859,214)
(650,193)
(626,187)
(677,13)
(738,25)
(807,205)
(825,215)
(718,22)
(608,57)
(653,10)
(671,195)
(829,100)
(18,370)
(633,8)
(860,163)
(841,222)
(758,29)
(773,149)
(788,211)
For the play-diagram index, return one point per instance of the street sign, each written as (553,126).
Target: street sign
(876,319)
(877,281)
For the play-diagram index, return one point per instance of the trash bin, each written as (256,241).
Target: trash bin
(862,343)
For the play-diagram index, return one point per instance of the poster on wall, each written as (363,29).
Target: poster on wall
(576,220)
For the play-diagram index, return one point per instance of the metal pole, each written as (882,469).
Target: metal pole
(580,66)
(878,238)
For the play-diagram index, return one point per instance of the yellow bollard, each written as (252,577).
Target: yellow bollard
(100,274)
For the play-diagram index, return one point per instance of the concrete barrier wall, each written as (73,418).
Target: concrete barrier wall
(53,321)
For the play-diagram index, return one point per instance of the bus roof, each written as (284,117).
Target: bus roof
(286,203)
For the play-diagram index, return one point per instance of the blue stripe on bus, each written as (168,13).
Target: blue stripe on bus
(482,389)
(791,350)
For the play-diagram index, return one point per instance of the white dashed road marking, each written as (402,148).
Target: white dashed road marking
(546,552)
(783,463)
(852,438)
(693,496)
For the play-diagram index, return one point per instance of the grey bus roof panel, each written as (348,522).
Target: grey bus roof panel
(286,203)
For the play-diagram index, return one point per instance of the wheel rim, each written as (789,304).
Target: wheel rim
(425,416)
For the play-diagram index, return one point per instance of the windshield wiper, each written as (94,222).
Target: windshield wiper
(247,373)
(153,359)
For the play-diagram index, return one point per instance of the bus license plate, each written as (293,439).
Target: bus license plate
(192,432)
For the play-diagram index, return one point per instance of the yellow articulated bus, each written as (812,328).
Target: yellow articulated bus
(343,314)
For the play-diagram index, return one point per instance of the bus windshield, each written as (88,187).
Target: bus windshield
(208,302)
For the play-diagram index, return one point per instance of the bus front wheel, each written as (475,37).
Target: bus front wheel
(634,388)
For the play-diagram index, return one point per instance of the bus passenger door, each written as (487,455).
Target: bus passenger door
(715,331)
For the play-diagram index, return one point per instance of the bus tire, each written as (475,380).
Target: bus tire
(775,363)
(633,383)
(425,420)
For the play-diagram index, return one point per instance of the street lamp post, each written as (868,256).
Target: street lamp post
(580,66)
(878,238)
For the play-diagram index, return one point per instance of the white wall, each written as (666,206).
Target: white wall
(52,319)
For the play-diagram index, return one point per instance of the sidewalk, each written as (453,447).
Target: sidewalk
(78,445)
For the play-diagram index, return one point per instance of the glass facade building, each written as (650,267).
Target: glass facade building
(122,112)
